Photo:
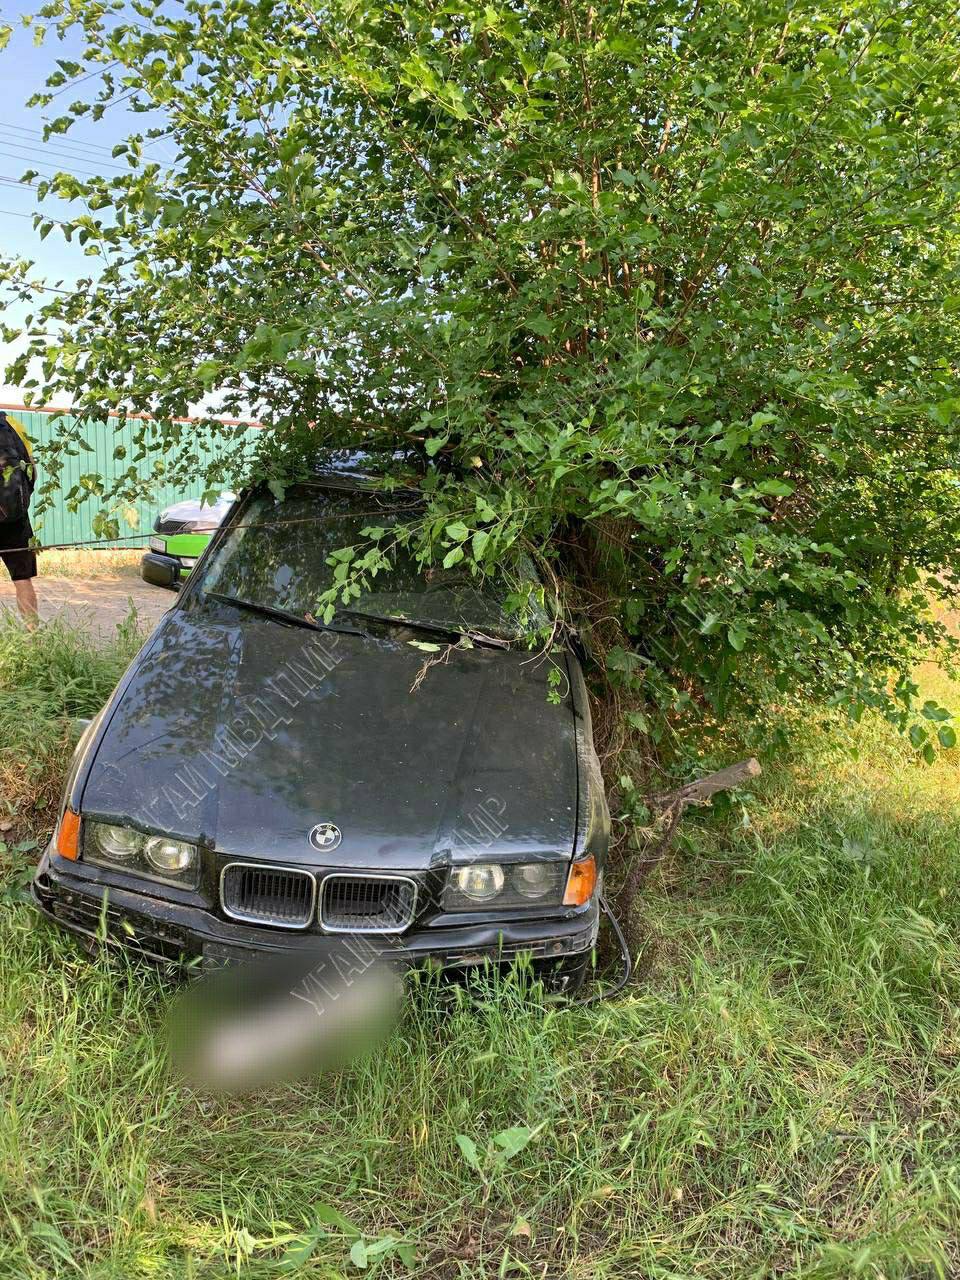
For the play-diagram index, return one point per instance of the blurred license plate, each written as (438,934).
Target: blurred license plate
(157,544)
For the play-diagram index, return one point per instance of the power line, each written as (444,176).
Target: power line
(97,71)
(31,149)
(68,139)
(44,288)
(40,165)
(45,173)
(15,213)
(66,142)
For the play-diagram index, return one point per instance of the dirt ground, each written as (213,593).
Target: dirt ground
(97,604)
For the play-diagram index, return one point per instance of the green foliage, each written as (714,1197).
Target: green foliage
(673,284)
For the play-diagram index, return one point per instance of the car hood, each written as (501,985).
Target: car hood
(194,509)
(246,734)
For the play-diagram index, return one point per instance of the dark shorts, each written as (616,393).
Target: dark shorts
(19,564)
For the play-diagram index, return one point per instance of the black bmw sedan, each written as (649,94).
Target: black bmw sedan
(259,779)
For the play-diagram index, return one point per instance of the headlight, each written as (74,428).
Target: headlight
(119,844)
(160,857)
(534,879)
(518,884)
(479,883)
(168,856)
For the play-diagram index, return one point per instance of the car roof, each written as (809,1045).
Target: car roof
(351,468)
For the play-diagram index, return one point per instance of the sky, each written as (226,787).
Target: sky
(84,151)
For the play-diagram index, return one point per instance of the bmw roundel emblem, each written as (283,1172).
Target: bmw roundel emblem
(324,837)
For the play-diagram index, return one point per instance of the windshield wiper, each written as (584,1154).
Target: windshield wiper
(281,615)
(430,628)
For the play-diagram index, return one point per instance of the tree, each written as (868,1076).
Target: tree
(667,292)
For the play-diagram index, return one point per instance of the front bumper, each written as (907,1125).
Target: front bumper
(181,550)
(173,931)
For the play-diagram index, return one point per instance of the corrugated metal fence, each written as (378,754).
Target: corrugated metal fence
(59,524)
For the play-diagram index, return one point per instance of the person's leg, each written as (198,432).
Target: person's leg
(26,600)
(20,561)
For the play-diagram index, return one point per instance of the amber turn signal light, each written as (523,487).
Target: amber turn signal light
(581,882)
(68,835)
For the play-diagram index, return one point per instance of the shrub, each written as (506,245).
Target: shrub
(666,294)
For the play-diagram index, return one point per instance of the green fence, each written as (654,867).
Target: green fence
(60,525)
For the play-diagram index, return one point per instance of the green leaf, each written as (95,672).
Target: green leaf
(407,1254)
(947,736)
(332,1217)
(468,1149)
(775,488)
(300,1251)
(540,323)
(454,556)
(736,637)
(933,711)
(458,531)
(172,213)
(208,372)
(512,1141)
(358,1254)
(384,1245)
(435,259)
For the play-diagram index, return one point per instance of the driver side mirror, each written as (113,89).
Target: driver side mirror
(160,571)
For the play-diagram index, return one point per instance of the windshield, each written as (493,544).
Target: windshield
(276,556)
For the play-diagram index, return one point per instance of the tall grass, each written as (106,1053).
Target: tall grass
(48,679)
(779,1096)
